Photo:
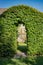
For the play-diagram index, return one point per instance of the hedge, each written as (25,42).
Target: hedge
(9,21)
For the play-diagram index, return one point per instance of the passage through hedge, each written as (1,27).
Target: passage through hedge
(33,21)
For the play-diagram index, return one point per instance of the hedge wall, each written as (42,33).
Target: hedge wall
(33,21)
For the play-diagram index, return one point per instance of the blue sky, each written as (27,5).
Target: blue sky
(38,4)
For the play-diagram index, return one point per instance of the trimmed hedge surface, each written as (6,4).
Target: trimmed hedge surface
(33,21)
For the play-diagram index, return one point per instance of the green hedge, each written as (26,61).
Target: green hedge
(33,21)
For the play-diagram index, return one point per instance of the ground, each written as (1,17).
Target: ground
(34,60)
(21,61)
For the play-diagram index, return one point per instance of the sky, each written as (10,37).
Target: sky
(38,4)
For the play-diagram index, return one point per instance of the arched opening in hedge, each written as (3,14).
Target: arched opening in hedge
(21,38)
(21,45)
(21,33)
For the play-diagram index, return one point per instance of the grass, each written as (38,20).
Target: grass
(30,61)
(11,61)
(22,47)
(35,60)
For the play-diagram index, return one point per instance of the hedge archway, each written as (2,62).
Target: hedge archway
(32,19)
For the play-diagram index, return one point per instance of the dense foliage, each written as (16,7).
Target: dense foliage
(33,21)
(21,61)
